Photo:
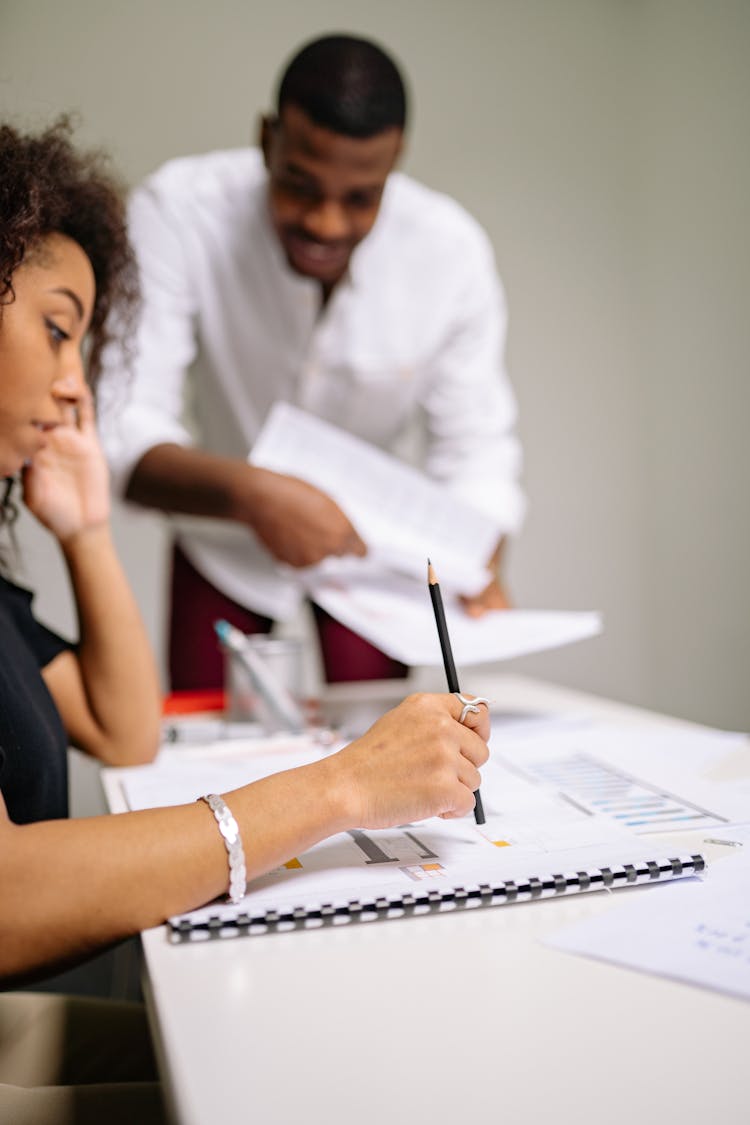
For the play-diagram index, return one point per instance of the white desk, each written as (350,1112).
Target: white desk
(442,1019)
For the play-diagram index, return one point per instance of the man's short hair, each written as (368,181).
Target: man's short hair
(345,84)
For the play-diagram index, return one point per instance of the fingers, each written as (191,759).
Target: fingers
(85,414)
(416,761)
(477,721)
(305,525)
(469,775)
(472,734)
(492,597)
(468,738)
(69,415)
(351,544)
(463,800)
(358,547)
(78,413)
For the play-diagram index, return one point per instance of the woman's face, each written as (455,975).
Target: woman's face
(41,332)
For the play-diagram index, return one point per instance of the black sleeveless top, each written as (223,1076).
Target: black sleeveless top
(33,743)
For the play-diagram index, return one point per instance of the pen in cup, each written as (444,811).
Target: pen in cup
(277,699)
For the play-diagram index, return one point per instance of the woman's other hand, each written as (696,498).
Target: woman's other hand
(67,485)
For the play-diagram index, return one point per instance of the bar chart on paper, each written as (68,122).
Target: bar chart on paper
(604,789)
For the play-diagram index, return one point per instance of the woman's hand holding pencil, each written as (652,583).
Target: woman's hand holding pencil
(417,761)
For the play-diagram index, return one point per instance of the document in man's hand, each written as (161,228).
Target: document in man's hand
(401,514)
(394,613)
(404,517)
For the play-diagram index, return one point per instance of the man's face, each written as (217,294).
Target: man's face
(324,190)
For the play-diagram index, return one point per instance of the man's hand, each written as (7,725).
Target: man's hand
(299,524)
(493,596)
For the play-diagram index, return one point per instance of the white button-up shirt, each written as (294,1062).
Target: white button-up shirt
(417,326)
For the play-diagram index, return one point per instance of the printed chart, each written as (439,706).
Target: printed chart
(603,789)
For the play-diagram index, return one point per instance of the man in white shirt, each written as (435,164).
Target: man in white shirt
(307,271)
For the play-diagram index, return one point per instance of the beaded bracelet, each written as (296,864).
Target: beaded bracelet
(230,833)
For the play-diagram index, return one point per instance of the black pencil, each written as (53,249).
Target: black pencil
(450,667)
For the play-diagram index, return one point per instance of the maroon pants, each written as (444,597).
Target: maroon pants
(196,662)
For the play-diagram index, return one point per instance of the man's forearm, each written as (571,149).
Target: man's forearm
(296,522)
(177,478)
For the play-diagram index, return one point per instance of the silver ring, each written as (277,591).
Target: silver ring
(470,704)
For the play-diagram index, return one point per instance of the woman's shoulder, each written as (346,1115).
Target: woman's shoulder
(20,625)
(14,596)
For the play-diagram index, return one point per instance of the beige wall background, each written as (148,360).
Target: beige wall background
(604,145)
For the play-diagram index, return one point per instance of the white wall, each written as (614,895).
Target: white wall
(693,207)
(603,143)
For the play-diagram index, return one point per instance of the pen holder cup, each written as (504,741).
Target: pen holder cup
(284,659)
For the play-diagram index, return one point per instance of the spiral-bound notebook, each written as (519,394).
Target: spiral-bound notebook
(258,915)
(534,845)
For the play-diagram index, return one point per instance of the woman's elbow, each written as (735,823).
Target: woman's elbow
(139,751)
(129,749)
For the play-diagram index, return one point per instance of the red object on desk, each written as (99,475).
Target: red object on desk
(188,702)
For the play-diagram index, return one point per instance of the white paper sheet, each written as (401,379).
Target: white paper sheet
(180,776)
(401,514)
(696,931)
(647,778)
(395,614)
(519,812)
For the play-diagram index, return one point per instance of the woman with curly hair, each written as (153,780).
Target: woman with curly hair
(64,261)
(71,887)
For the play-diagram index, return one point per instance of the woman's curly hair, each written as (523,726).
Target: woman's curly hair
(48,187)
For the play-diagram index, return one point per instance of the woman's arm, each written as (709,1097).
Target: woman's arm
(69,888)
(107,691)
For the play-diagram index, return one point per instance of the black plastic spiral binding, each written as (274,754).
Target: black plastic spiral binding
(432,901)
